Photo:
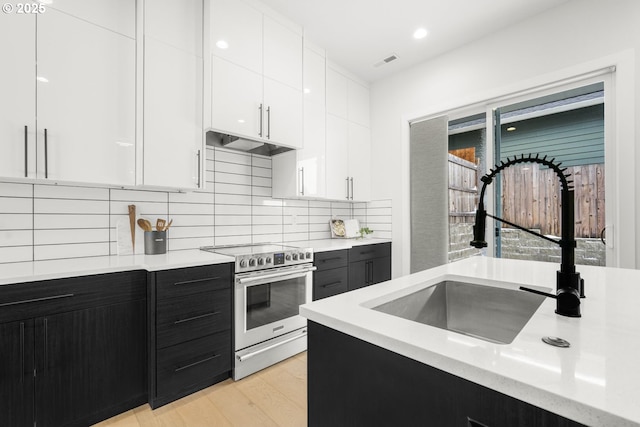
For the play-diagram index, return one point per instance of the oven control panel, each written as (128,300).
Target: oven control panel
(267,260)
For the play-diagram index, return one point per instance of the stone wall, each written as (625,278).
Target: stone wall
(517,244)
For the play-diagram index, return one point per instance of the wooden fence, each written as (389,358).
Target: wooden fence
(531,196)
(463,191)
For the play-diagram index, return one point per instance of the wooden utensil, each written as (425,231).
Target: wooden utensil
(132,224)
(145,224)
(168,225)
(160,223)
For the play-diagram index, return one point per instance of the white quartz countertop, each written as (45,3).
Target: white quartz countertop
(55,269)
(325,245)
(595,382)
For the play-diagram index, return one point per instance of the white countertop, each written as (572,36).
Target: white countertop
(595,382)
(55,269)
(325,245)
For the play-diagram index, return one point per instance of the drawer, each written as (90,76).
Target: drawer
(331,259)
(192,316)
(330,282)
(364,252)
(183,281)
(27,300)
(185,365)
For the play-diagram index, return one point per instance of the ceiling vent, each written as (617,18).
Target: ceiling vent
(386,60)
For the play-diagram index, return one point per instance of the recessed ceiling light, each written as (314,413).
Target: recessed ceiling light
(307,90)
(222,44)
(240,121)
(42,79)
(420,33)
(511,128)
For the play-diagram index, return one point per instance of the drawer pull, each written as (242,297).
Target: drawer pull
(190,365)
(331,285)
(202,316)
(367,252)
(188,282)
(331,259)
(27,301)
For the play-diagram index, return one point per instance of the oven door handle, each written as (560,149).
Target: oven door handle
(271,347)
(278,276)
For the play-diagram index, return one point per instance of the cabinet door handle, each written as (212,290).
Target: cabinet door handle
(370,273)
(330,259)
(46,345)
(302,181)
(351,180)
(199,166)
(189,282)
(260,131)
(331,285)
(26,152)
(21,352)
(269,122)
(46,154)
(191,365)
(27,301)
(202,316)
(347,188)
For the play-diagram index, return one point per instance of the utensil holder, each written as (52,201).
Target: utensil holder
(155,242)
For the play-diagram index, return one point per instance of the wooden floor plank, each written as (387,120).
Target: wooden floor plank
(273,397)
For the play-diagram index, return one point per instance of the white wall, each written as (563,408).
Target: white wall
(578,36)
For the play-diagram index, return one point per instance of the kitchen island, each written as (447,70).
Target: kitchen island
(594,382)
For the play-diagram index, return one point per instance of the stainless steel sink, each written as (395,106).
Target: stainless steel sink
(486,312)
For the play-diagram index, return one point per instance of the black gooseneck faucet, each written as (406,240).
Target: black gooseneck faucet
(569,285)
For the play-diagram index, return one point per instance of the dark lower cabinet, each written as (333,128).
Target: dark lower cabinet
(189,330)
(81,355)
(372,386)
(369,264)
(16,373)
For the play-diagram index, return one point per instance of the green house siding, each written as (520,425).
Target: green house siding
(573,137)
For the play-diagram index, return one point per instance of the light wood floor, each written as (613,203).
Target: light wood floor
(276,396)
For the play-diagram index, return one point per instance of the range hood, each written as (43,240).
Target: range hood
(218,139)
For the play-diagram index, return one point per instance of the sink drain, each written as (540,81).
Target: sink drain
(556,342)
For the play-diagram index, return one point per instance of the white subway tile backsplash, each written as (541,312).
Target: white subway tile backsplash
(40,221)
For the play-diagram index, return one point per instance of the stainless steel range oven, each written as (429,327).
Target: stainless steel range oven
(270,283)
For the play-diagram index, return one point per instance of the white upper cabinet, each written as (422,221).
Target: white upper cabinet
(282,54)
(337,156)
(302,173)
(18,100)
(337,93)
(236,33)
(359,155)
(173,147)
(246,43)
(358,103)
(84,93)
(86,102)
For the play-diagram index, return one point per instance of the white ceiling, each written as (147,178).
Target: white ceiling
(359,33)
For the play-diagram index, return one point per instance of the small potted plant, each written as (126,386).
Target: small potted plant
(364,231)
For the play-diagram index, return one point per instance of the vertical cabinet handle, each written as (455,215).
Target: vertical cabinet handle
(46,154)
(347,188)
(22,351)
(26,152)
(260,131)
(199,167)
(269,122)
(301,181)
(46,345)
(351,180)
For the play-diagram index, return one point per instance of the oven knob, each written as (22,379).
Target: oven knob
(295,257)
(260,261)
(308,255)
(243,263)
(288,257)
(252,262)
(301,256)
(268,260)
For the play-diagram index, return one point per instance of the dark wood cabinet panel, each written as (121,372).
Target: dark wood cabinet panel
(92,364)
(192,316)
(331,259)
(367,252)
(374,386)
(358,275)
(192,280)
(16,373)
(380,270)
(331,282)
